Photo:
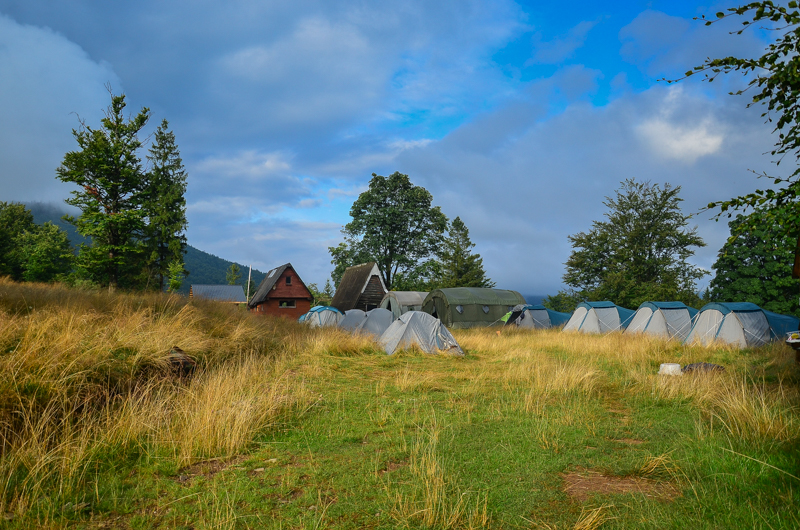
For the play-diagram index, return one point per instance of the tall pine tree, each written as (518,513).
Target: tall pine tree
(165,206)
(458,266)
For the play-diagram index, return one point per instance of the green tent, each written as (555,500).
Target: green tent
(468,307)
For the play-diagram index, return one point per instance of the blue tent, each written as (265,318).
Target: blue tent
(740,323)
(536,316)
(599,317)
(669,319)
(322,315)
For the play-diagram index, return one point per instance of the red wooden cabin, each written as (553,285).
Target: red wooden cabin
(282,293)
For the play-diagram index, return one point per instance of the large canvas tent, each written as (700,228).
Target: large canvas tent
(352,319)
(741,324)
(401,302)
(467,307)
(321,316)
(419,329)
(667,319)
(376,322)
(599,317)
(536,316)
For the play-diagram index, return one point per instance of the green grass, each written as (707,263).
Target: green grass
(414,440)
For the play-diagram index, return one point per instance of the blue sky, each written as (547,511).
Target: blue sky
(519,117)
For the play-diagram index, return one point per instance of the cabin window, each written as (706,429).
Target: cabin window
(287,303)
(486,309)
(460,309)
(288,280)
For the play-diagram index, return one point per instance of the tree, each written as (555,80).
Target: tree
(775,83)
(15,220)
(393,224)
(640,252)
(45,253)
(164,205)
(175,275)
(756,266)
(459,266)
(563,301)
(233,274)
(108,171)
(321,297)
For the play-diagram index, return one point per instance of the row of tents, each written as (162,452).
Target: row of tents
(412,328)
(743,324)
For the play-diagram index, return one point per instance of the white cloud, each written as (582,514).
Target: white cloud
(560,48)
(685,139)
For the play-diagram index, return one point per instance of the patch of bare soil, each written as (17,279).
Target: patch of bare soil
(207,468)
(582,484)
(629,441)
(392,466)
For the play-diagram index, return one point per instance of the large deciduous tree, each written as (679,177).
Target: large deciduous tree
(164,205)
(393,224)
(639,252)
(108,172)
(774,82)
(755,265)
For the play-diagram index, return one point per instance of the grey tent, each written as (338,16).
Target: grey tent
(536,316)
(672,320)
(468,307)
(376,322)
(321,316)
(352,319)
(741,324)
(416,328)
(400,302)
(599,317)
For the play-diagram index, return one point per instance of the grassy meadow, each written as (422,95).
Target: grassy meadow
(292,428)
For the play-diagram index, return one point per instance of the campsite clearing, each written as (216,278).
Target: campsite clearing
(286,426)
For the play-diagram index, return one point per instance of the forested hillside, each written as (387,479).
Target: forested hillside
(204,268)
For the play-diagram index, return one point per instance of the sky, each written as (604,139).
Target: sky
(519,117)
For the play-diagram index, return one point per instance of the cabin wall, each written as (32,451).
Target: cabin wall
(273,307)
(372,295)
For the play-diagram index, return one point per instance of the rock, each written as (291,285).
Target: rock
(702,367)
(669,369)
(181,363)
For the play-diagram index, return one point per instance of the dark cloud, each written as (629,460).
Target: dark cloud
(47,83)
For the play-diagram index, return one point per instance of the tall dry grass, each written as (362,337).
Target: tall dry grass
(84,377)
(435,500)
(739,400)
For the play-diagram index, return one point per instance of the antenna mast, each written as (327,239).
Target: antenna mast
(249,275)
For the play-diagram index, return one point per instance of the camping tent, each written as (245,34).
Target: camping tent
(742,324)
(668,319)
(352,319)
(599,317)
(321,316)
(376,322)
(400,302)
(467,307)
(536,316)
(416,328)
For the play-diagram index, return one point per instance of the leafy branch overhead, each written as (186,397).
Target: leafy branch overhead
(777,85)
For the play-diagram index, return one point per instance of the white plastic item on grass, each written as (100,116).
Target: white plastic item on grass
(670,369)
